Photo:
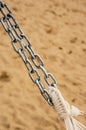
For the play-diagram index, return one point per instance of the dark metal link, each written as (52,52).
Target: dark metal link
(28,65)
(34,75)
(47,97)
(25,60)
(44,92)
(31,51)
(26,42)
(37,61)
(22,46)
(3,5)
(13,22)
(5,23)
(17,45)
(22,54)
(50,77)
(12,35)
(44,71)
(14,25)
(40,86)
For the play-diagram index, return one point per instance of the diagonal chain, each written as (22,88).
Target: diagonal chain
(23,47)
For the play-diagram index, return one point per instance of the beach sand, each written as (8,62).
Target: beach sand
(57,32)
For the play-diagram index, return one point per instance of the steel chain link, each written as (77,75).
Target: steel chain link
(17,38)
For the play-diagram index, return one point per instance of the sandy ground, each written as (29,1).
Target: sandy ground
(57,31)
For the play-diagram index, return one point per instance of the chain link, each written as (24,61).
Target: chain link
(21,43)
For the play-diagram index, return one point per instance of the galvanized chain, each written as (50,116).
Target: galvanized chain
(22,46)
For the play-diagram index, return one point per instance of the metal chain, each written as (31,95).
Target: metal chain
(22,46)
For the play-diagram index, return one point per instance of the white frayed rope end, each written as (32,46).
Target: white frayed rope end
(75,111)
(66,111)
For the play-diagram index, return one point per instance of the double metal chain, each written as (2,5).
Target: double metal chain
(22,46)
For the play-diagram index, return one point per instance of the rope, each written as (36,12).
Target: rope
(66,111)
(52,95)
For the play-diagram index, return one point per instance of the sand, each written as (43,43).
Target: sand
(57,31)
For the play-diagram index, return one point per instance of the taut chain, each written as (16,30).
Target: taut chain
(23,47)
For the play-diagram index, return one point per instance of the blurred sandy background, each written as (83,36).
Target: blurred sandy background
(57,31)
